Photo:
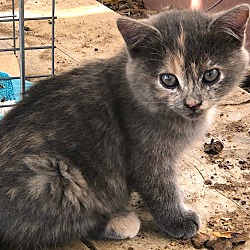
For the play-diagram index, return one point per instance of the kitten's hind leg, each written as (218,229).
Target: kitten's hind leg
(122,225)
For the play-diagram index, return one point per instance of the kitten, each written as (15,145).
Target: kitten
(77,145)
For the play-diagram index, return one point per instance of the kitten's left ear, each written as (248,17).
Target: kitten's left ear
(232,22)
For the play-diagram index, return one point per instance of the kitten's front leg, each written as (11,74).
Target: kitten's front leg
(162,195)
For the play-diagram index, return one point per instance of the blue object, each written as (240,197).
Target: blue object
(6,89)
(10,89)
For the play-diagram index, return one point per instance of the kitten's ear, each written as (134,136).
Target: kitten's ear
(137,34)
(232,22)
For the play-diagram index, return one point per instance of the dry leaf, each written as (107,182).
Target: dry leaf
(219,244)
(227,235)
(219,241)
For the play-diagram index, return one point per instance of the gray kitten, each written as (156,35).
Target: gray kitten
(77,145)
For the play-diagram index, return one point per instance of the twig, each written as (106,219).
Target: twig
(196,158)
(89,244)
(214,5)
(227,198)
(215,188)
(197,170)
(236,104)
(241,148)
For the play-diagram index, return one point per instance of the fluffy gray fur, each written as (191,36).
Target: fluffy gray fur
(77,145)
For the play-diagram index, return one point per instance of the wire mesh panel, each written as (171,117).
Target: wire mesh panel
(17,16)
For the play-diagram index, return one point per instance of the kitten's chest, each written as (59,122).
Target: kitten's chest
(158,137)
(161,140)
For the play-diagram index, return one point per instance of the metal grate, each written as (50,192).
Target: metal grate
(21,49)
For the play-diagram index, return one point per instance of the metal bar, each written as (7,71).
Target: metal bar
(21,45)
(38,18)
(7,38)
(27,48)
(28,19)
(13,25)
(39,76)
(10,15)
(7,105)
(27,77)
(22,48)
(53,38)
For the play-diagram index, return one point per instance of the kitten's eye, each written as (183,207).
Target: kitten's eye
(169,81)
(211,76)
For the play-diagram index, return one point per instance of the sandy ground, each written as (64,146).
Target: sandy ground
(218,187)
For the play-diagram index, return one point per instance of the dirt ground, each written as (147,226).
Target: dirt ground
(217,186)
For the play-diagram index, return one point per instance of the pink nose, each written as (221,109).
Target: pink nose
(192,104)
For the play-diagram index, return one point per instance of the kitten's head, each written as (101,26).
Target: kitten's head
(185,61)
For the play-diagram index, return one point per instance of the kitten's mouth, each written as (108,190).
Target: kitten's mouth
(194,115)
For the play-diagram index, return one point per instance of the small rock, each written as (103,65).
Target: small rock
(26,28)
(210,223)
(131,248)
(214,147)
(226,165)
(236,198)
(208,182)
(199,240)
(239,238)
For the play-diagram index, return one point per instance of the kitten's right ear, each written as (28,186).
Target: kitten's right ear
(137,34)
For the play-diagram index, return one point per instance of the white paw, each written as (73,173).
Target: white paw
(122,226)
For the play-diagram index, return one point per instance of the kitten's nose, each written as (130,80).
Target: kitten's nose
(192,104)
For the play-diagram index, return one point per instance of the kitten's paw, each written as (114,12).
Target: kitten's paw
(184,226)
(122,226)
